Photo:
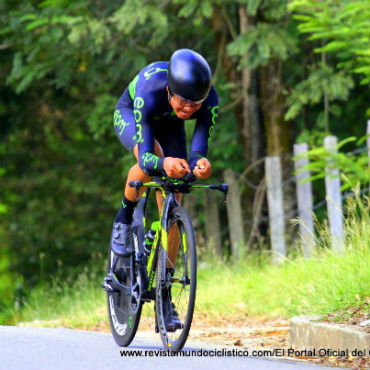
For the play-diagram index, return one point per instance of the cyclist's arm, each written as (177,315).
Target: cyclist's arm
(206,120)
(148,161)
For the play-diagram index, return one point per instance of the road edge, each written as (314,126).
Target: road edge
(307,332)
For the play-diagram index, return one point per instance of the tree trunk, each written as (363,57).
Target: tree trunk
(234,214)
(277,129)
(273,104)
(213,232)
(247,112)
(255,118)
(246,129)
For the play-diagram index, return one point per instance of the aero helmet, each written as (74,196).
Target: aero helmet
(189,75)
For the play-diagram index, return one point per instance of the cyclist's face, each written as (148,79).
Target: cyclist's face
(182,108)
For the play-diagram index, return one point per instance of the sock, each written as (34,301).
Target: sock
(124,215)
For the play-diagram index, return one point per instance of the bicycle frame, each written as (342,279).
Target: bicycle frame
(161,233)
(168,188)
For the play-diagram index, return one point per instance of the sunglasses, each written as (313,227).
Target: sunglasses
(186,102)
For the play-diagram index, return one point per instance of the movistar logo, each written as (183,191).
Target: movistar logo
(119,121)
(152,71)
(149,157)
(214,112)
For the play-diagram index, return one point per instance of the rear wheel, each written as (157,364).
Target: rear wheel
(122,321)
(180,283)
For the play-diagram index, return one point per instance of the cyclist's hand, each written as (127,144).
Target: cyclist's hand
(203,169)
(176,167)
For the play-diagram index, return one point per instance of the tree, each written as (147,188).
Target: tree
(339,33)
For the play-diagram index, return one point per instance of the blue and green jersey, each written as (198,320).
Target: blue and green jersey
(145,105)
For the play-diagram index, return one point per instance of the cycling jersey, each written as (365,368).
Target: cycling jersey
(143,113)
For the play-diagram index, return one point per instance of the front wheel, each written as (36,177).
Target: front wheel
(123,322)
(176,278)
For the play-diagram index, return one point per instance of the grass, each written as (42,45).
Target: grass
(74,303)
(321,285)
(328,282)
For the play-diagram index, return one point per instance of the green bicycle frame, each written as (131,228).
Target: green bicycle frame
(168,189)
(162,231)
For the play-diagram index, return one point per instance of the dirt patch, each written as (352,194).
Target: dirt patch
(256,332)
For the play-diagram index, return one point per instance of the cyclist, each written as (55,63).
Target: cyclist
(149,122)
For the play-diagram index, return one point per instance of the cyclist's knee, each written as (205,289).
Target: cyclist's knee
(158,151)
(137,173)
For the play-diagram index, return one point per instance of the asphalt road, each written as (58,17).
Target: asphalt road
(24,348)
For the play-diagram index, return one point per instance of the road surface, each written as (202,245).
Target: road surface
(23,348)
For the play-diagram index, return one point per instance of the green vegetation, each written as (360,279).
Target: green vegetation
(327,283)
(324,284)
(73,303)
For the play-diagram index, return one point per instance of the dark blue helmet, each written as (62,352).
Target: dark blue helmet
(189,75)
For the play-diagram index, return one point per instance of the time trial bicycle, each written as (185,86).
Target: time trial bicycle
(144,276)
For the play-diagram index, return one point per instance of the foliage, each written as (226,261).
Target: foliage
(338,32)
(353,167)
(311,90)
(343,28)
(270,38)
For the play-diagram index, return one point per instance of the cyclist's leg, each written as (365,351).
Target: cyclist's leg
(124,124)
(125,127)
(172,137)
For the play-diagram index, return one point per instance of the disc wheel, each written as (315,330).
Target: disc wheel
(123,322)
(180,284)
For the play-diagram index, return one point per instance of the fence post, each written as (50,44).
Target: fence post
(304,199)
(333,197)
(234,214)
(275,206)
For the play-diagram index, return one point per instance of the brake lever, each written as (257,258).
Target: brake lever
(223,188)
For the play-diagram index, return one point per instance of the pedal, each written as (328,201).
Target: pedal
(107,285)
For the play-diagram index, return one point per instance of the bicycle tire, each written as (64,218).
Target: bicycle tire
(185,273)
(123,324)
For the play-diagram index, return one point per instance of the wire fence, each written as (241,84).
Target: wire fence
(260,212)
(292,180)
(266,216)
